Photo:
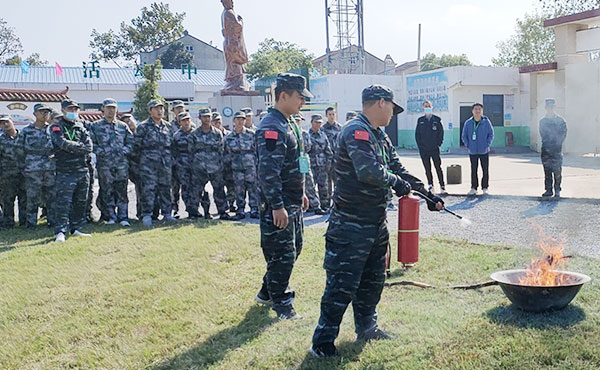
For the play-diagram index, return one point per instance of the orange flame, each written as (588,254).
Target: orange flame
(543,271)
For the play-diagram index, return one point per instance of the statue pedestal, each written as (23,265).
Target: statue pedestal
(227,102)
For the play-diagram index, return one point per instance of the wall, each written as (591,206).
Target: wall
(582,108)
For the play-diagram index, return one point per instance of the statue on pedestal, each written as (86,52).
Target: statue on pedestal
(236,54)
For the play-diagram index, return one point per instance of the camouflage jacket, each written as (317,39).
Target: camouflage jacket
(240,150)
(306,141)
(182,155)
(207,149)
(153,142)
(320,151)
(72,146)
(113,143)
(174,126)
(553,132)
(36,144)
(11,156)
(280,182)
(363,163)
(333,132)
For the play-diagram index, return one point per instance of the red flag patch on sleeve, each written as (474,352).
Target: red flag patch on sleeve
(361,135)
(271,135)
(55,129)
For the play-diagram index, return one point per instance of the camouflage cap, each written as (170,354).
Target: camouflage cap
(5,117)
(262,114)
(126,115)
(155,103)
(351,115)
(550,102)
(178,103)
(248,111)
(376,92)
(294,82)
(183,115)
(56,114)
(109,102)
(204,112)
(216,116)
(299,116)
(41,106)
(68,103)
(239,115)
(316,118)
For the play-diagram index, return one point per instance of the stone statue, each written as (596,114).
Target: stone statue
(235,49)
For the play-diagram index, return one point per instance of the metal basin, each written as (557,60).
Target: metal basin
(539,298)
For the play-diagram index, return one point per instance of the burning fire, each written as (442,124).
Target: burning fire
(542,271)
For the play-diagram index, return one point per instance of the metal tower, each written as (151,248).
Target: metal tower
(349,53)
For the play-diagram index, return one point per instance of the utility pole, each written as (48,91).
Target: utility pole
(419,50)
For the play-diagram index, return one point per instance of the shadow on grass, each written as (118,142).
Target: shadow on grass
(513,316)
(348,352)
(542,209)
(215,348)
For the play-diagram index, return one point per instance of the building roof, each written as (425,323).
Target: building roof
(108,76)
(335,52)
(406,66)
(573,18)
(33,95)
(185,34)
(539,68)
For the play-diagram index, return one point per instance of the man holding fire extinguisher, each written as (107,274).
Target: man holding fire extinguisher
(366,167)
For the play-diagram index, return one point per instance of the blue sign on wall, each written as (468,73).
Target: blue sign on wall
(430,86)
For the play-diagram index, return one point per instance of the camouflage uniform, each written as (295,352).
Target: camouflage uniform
(72,148)
(12,182)
(241,156)
(207,149)
(321,157)
(183,159)
(553,131)
(39,172)
(332,131)
(228,180)
(153,143)
(113,143)
(309,183)
(281,185)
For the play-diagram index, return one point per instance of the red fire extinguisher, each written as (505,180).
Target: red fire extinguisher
(408,230)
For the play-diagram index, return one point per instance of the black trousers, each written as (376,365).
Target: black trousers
(484,159)
(427,158)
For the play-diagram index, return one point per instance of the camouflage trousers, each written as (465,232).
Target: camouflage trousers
(321,178)
(156,189)
(189,194)
(13,189)
(552,163)
(355,266)
(230,185)
(90,196)
(311,192)
(176,189)
(70,206)
(200,179)
(40,187)
(245,183)
(113,192)
(281,248)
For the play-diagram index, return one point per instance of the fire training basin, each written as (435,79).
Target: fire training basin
(539,298)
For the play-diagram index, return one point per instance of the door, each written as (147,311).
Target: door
(493,108)
(465,114)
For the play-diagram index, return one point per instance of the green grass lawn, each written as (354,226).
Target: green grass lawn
(182,297)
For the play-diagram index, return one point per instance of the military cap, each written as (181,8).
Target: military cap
(5,117)
(262,115)
(109,102)
(376,92)
(239,115)
(178,103)
(216,116)
(550,102)
(155,103)
(299,116)
(248,111)
(294,82)
(68,103)
(316,117)
(204,112)
(351,115)
(56,114)
(126,115)
(41,106)
(183,115)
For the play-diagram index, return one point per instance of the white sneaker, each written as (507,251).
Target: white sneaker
(125,223)
(60,238)
(147,221)
(430,188)
(111,222)
(79,233)
(443,191)
(472,192)
(485,192)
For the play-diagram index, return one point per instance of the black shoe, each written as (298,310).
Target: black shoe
(194,216)
(287,313)
(263,298)
(233,209)
(176,215)
(548,193)
(373,334)
(207,216)
(254,214)
(225,217)
(323,350)
(238,217)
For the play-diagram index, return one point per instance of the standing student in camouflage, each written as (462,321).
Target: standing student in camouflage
(152,140)
(357,237)
(227,170)
(249,116)
(314,205)
(332,129)
(321,158)
(133,162)
(12,183)
(72,148)
(40,167)
(178,108)
(241,156)
(113,143)
(553,132)
(282,165)
(206,144)
(183,159)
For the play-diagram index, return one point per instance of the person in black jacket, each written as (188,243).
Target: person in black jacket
(430,135)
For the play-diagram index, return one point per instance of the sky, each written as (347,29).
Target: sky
(60,30)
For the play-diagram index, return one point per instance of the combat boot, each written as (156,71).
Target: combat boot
(373,334)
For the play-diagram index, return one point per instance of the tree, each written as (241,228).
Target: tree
(157,26)
(9,42)
(148,90)
(33,60)
(532,44)
(430,61)
(557,8)
(175,56)
(275,57)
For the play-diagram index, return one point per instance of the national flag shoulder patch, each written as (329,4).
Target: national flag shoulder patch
(55,128)
(270,134)
(361,135)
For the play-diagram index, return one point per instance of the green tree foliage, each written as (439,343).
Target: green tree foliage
(156,26)
(531,44)
(275,57)
(33,60)
(431,61)
(9,42)
(556,8)
(175,56)
(147,90)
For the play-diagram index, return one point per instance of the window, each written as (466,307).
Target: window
(189,48)
(493,108)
